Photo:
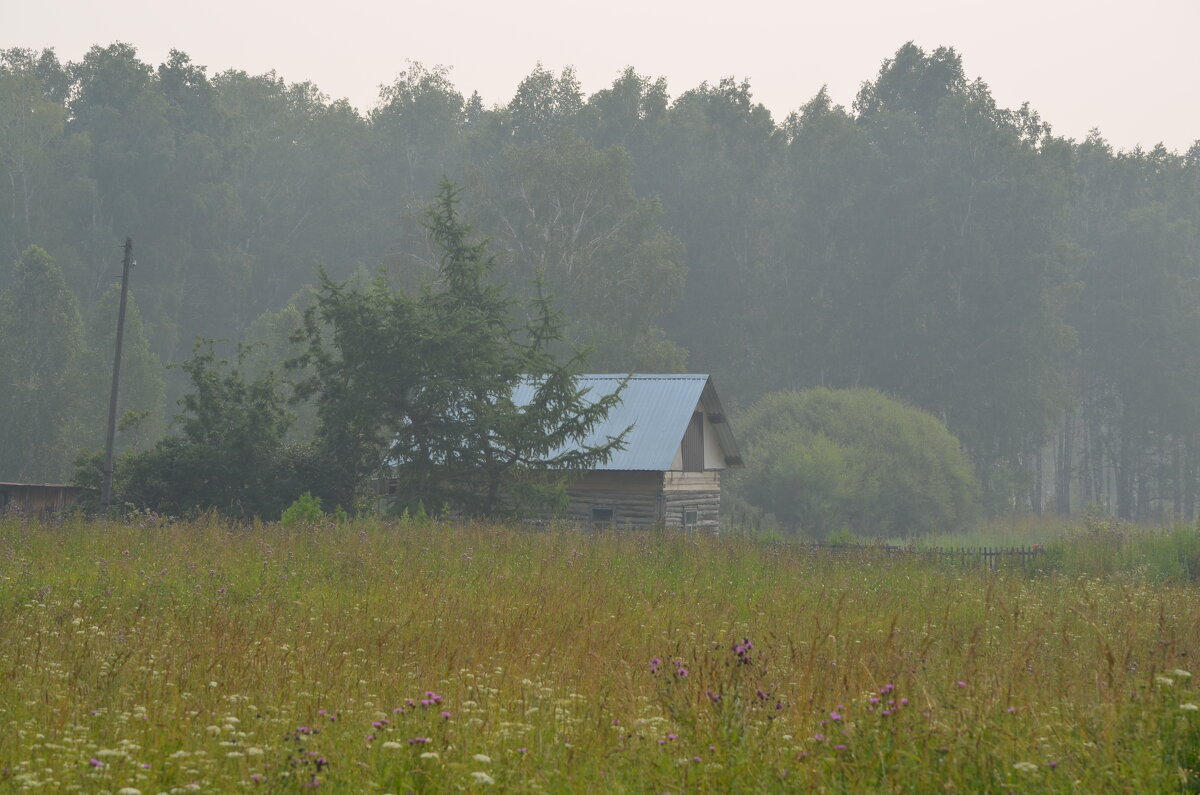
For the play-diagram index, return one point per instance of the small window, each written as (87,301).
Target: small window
(690,517)
(602,515)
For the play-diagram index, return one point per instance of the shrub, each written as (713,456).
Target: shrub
(305,510)
(824,459)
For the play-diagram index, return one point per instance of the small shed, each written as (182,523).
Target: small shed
(37,498)
(678,445)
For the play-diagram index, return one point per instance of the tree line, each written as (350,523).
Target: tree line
(1037,294)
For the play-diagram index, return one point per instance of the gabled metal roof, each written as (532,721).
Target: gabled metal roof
(658,407)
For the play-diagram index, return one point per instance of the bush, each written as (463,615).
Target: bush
(305,510)
(822,459)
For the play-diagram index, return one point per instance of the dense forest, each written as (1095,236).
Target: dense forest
(1039,295)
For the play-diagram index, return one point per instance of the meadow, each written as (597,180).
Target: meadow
(147,656)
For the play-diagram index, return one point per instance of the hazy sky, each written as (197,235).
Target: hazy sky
(1130,69)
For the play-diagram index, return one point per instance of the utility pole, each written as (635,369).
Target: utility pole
(106,485)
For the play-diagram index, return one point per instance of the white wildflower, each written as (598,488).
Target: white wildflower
(482,778)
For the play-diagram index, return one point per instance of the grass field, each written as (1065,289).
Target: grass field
(203,657)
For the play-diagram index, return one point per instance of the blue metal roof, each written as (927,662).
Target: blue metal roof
(658,406)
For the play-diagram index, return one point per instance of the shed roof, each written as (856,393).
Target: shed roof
(659,407)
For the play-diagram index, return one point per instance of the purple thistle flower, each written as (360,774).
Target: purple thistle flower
(94,762)
(835,716)
(682,672)
(672,736)
(445,715)
(419,741)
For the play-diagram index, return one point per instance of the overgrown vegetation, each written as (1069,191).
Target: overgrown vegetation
(408,657)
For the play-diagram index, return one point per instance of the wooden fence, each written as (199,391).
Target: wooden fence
(978,557)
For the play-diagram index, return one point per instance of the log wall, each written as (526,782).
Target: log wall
(646,499)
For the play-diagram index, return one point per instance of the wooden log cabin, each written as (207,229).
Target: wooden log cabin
(669,473)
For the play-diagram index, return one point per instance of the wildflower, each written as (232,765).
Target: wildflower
(683,672)
(1011,710)
(482,778)
(482,759)
(430,755)
(1165,681)
(419,741)
(129,791)
(672,736)
(390,744)
(1182,674)
(835,716)
(697,759)
(445,715)
(1025,767)
(839,747)
(961,683)
(256,778)
(94,762)
(1188,707)
(522,750)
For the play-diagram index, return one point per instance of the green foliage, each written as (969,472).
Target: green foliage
(41,344)
(1026,289)
(419,389)
(305,510)
(822,460)
(230,454)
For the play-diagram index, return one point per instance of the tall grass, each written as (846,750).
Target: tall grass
(203,656)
